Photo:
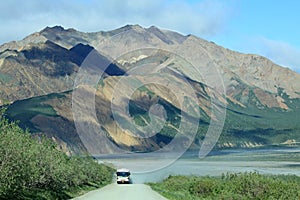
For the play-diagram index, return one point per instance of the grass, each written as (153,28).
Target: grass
(250,185)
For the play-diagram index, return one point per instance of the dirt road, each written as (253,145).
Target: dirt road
(124,192)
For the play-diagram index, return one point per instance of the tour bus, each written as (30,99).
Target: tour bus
(123,176)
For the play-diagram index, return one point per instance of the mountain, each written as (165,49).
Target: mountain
(39,75)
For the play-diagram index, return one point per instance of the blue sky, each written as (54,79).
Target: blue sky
(266,27)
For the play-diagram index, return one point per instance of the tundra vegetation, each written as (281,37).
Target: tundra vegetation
(248,185)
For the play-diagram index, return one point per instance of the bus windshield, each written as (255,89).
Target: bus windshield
(124,174)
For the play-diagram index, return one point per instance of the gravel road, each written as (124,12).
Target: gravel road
(124,192)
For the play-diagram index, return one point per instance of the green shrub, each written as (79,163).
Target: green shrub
(237,186)
(33,168)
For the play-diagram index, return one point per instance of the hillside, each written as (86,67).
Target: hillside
(39,76)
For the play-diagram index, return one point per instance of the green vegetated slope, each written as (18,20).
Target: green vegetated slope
(40,117)
(244,126)
(261,126)
(25,110)
(233,186)
(33,167)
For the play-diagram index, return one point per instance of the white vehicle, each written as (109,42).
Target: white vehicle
(123,176)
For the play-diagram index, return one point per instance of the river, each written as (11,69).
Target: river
(264,161)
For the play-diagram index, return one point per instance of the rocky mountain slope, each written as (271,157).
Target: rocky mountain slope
(38,75)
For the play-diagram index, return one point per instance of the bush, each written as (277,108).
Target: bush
(34,168)
(238,186)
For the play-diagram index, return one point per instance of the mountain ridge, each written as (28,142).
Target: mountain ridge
(270,76)
(251,87)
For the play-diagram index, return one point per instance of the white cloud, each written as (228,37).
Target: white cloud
(203,18)
(280,52)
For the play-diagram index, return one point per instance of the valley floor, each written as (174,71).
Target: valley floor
(264,161)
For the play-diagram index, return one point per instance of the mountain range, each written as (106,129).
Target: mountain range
(39,74)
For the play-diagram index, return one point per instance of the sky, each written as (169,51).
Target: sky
(265,27)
